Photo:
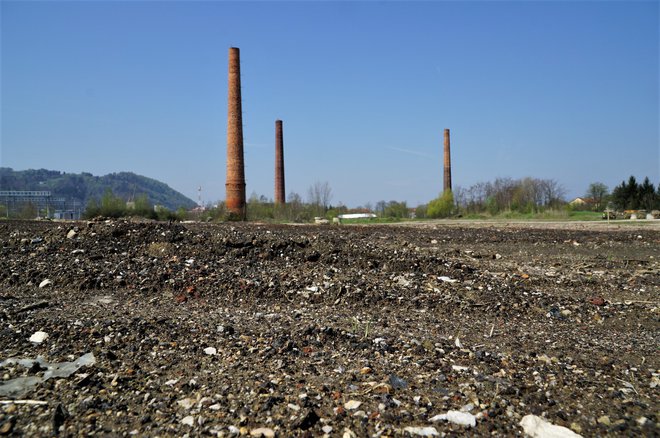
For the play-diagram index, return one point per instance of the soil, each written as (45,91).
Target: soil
(350,331)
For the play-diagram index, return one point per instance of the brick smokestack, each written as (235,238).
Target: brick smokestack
(279,164)
(235,185)
(447,180)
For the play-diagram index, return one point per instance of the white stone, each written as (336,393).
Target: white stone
(352,404)
(422,431)
(189,420)
(262,432)
(536,427)
(457,417)
(45,283)
(38,337)
(186,403)
(211,351)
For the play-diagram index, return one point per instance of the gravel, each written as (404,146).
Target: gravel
(273,330)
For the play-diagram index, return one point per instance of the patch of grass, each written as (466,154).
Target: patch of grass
(585,216)
(375,220)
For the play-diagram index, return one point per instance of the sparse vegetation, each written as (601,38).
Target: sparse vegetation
(114,206)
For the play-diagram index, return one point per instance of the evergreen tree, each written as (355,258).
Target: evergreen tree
(646,195)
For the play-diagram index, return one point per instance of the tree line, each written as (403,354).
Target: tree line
(503,195)
(629,195)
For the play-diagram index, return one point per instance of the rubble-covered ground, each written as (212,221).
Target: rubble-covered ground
(155,329)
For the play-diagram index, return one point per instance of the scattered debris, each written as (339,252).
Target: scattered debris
(21,386)
(319,330)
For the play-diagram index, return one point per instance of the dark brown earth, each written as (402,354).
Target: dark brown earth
(345,331)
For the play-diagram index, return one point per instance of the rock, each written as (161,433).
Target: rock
(365,370)
(326,429)
(604,420)
(38,337)
(188,420)
(186,403)
(422,431)
(262,432)
(60,414)
(348,433)
(397,382)
(457,417)
(536,427)
(211,351)
(45,283)
(352,404)
(308,421)
(7,426)
(71,234)
(597,301)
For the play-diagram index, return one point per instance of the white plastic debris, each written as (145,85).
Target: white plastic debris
(38,337)
(211,351)
(45,283)
(457,417)
(21,386)
(536,427)
(459,368)
(447,279)
(457,342)
(422,431)
(352,404)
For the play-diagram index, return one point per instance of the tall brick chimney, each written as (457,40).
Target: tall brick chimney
(279,164)
(447,179)
(235,185)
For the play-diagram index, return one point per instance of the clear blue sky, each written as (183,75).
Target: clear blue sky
(565,90)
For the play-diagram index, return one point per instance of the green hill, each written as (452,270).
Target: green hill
(79,189)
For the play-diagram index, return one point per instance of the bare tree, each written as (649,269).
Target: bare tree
(460,196)
(553,192)
(320,195)
(598,192)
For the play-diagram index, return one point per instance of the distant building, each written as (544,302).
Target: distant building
(356,216)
